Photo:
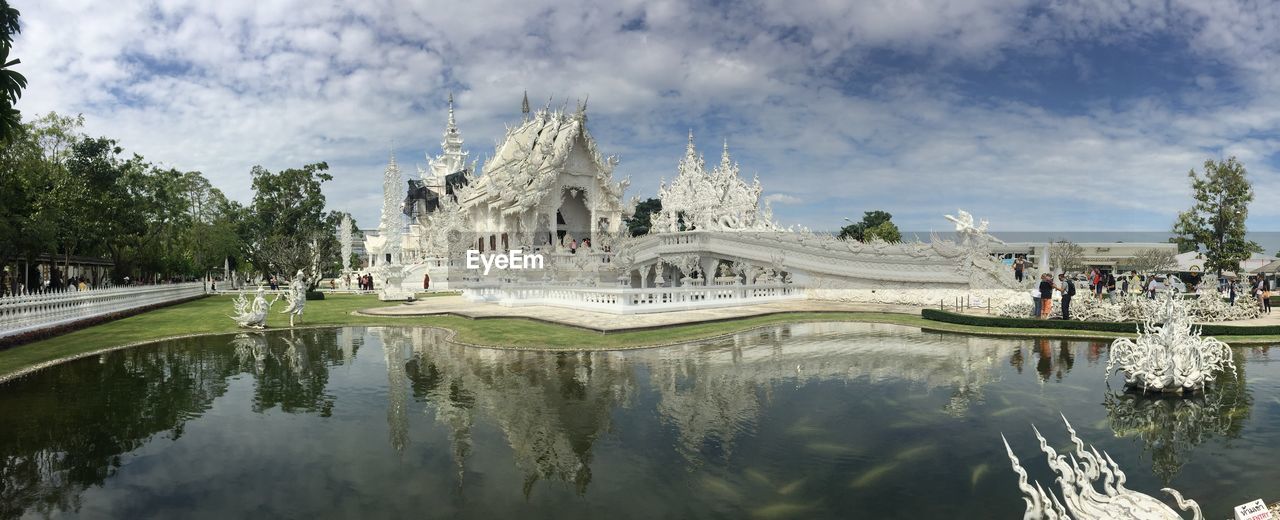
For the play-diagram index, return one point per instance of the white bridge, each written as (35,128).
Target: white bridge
(705,269)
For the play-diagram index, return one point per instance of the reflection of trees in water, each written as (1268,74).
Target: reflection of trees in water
(1170,427)
(551,407)
(66,428)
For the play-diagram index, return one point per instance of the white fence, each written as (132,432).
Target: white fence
(33,312)
(631,300)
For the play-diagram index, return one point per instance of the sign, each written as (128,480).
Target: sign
(1256,510)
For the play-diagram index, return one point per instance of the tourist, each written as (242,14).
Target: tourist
(573,246)
(1046,295)
(1266,295)
(1096,282)
(1035,302)
(1111,286)
(1019,264)
(586,243)
(1068,289)
(1152,287)
(426,281)
(1231,293)
(1259,288)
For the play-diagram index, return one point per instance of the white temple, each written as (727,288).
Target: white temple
(548,190)
(545,186)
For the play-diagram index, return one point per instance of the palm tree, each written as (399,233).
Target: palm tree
(11,81)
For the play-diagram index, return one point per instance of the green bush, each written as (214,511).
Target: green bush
(314,295)
(1095,326)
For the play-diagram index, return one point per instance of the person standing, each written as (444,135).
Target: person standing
(426,281)
(1019,264)
(1231,292)
(1046,295)
(1266,294)
(1068,288)
(1111,286)
(1152,287)
(1035,302)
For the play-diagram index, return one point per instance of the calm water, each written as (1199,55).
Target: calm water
(800,421)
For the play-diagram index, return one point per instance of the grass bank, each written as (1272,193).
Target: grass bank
(209,316)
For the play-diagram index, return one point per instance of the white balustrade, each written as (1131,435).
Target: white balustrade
(33,312)
(631,300)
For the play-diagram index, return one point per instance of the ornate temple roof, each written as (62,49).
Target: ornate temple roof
(720,199)
(530,157)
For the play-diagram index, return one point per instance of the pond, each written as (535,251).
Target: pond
(828,420)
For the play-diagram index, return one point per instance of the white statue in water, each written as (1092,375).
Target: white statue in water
(1172,356)
(296,296)
(253,315)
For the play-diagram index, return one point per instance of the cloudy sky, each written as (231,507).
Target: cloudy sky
(1059,115)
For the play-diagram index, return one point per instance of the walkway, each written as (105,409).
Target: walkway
(603,322)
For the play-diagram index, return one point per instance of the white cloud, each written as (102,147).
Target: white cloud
(782,198)
(221,86)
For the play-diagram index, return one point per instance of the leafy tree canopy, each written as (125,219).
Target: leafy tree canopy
(1216,223)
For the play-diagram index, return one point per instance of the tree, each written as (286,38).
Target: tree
(886,231)
(640,222)
(1154,260)
(1216,223)
(286,229)
(1065,255)
(11,81)
(875,224)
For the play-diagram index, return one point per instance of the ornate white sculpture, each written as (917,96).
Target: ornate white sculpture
(296,296)
(1170,356)
(252,315)
(344,240)
(1080,498)
(965,226)
(715,201)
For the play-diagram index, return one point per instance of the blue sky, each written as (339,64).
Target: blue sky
(1065,115)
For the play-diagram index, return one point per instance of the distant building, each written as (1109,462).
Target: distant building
(1103,255)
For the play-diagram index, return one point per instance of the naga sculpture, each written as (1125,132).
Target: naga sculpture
(1172,356)
(1080,499)
(253,315)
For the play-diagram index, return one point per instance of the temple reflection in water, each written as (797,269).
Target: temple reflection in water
(739,426)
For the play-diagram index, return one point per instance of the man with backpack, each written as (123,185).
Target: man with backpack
(1068,288)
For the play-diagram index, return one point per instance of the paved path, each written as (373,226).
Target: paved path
(604,322)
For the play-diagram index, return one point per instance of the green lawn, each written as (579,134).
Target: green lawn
(209,316)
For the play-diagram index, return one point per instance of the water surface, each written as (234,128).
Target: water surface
(839,420)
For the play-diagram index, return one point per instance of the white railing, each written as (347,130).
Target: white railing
(629,300)
(33,312)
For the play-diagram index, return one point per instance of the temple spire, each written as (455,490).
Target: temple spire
(724,158)
(524,106)
(689,149)
(453,125)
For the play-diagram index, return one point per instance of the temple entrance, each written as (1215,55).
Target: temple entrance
(573,218)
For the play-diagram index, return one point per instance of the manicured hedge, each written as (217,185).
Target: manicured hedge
(1209,329)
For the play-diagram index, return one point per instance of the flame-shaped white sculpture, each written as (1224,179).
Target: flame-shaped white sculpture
(1080,499)
(1171,356)
(252,315)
